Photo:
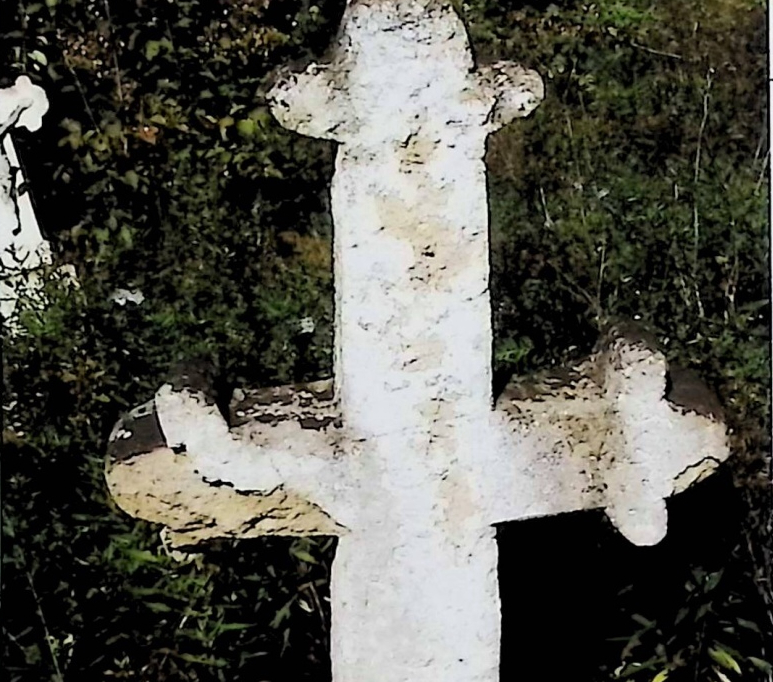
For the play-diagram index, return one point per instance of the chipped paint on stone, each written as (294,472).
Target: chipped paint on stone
(404,455)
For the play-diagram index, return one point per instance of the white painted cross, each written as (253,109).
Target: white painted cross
(22,247)
(23,250)
(404,455)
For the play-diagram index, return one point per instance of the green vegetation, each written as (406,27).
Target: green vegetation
(638,189)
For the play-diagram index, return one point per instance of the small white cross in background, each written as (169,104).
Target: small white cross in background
(23,250)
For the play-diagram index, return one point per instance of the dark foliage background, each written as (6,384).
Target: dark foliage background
(638,189)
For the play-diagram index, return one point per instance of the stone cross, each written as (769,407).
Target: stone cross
(404,454)
(23,250)
(22,247)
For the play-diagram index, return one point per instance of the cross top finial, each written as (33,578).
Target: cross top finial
(402,68)
(403,26)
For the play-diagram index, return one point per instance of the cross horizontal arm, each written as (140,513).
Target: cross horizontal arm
(176,461)
(604,435)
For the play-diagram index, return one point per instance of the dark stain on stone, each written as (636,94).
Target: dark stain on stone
(269,418)
(218,483)
(314,422)
(146,436)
